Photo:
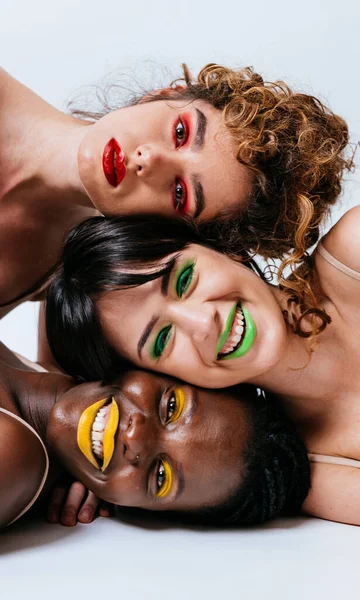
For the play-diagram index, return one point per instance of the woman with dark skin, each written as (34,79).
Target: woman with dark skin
(149,442)
(156,295)
(226,149)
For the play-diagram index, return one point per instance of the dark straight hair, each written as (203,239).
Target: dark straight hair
(102,255)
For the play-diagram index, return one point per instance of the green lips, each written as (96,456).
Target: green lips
(249,337)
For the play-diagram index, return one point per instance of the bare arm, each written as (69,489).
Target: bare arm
(22,467)
(334,493)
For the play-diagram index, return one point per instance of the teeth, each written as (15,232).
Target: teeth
(97,431)
(237,333)
(97,426)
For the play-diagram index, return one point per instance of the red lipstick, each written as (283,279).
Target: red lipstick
(113,162)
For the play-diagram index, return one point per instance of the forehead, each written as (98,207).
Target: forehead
(211,451)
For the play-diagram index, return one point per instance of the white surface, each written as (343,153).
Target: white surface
(55,48)
(293,560)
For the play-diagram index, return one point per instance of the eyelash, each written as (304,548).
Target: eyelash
(178,395)
(185,127)
(164,335)
(179,189)
(164,487)
(180,203)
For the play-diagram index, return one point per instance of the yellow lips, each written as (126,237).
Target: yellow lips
(84,432)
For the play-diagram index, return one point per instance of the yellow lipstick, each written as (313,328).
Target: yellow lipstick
(84,432)
(109,433)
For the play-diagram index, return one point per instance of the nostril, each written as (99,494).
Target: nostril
(138,152)
(139,168)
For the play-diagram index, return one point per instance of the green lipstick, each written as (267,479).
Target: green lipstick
(248,339)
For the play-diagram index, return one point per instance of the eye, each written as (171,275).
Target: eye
(180,133)
(175,406)
(179,196)
(184,279)
(161,341)
(163,479)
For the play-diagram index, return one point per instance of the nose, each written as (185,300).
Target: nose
(136,437)
(198,320)
(149,160)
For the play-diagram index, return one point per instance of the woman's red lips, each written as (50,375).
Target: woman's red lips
(114,163)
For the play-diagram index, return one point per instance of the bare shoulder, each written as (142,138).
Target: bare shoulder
(334,493)
(343,240)
(22,467)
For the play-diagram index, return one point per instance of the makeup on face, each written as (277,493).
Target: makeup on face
(161,441)
(96,430)
(204,312)
(113,163)
(98,427)
(238,336)
(163,157)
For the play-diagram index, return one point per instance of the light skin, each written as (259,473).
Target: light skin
(52,175)
(179,157)
(195,302)
(321,394)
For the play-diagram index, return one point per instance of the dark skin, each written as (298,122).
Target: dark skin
(53,404)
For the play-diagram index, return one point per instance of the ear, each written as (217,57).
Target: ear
(168,93)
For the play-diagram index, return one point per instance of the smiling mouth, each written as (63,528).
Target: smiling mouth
(96,430)
(239,334)
(113,162)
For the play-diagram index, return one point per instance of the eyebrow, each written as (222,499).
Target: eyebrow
(198,194)
(180,479)
(151,324)
(145,334)
(200,131)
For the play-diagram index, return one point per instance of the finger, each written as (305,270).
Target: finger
(73,501)
(106,509)
(88,509)
(56,502)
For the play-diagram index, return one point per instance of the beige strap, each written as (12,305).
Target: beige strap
(37,494)
(334,460)
(336,263)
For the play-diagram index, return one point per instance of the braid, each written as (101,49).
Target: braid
(277,477)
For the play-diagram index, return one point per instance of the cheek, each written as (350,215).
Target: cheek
(124,488)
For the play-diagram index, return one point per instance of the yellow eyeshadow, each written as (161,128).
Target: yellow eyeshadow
(166,487)
(180,401)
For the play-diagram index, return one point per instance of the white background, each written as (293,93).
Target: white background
(58,46)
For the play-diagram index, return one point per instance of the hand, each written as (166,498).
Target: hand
(69,504)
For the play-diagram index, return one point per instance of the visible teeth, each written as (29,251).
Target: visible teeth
(98,426)
(237,333)
(97,431)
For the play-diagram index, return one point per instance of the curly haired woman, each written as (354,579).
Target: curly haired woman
(254,163)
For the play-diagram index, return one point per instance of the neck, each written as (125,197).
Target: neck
(295,377)
(36,393)
(38,147)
